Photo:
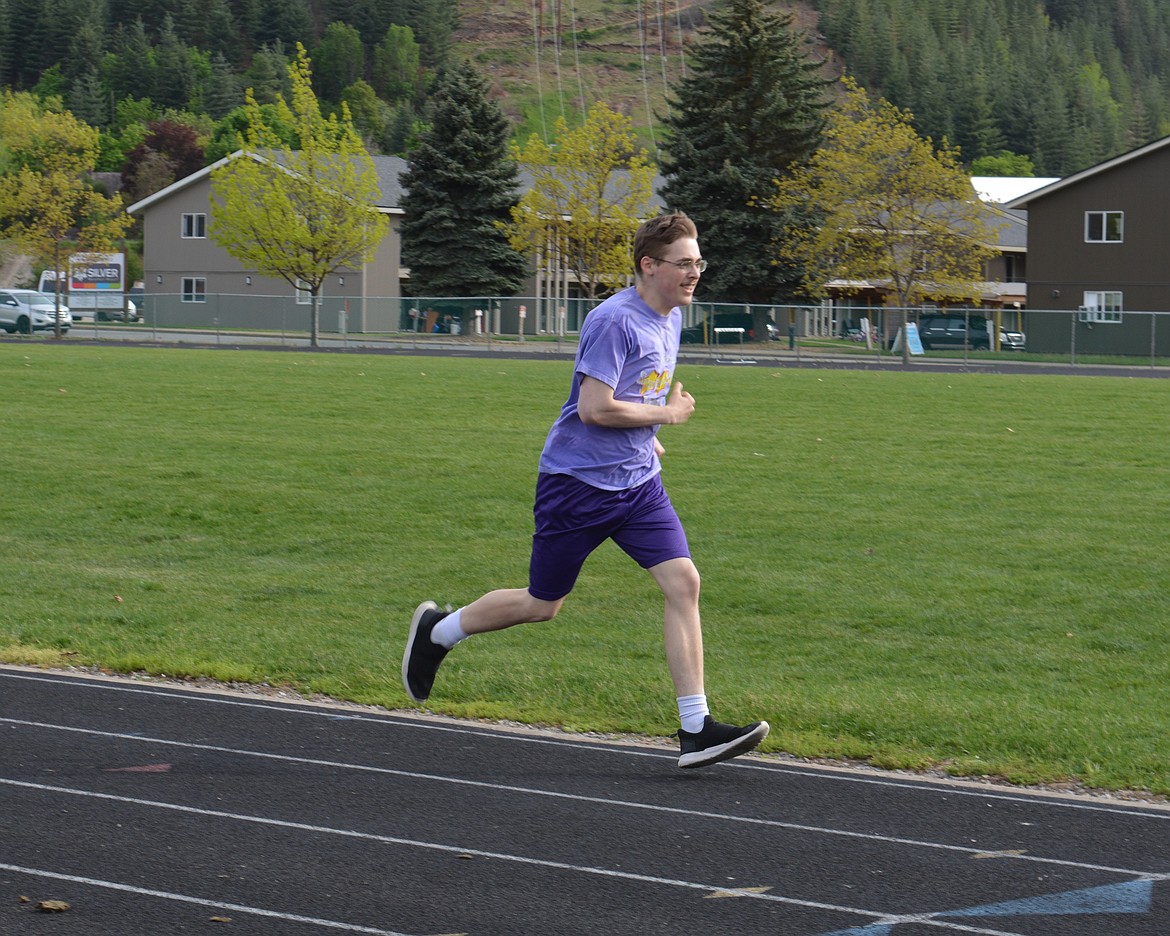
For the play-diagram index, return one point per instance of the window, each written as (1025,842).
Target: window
(304,296)
(195,225)
(1104,307)
(1104,227)
(194,289)
(1012,268)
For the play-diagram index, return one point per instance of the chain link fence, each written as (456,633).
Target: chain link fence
(1083,335)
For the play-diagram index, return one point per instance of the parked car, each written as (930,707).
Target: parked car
(704,331)
(27,311)
(955,331)
(1011,340)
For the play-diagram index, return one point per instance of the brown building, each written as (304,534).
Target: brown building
(1099,249)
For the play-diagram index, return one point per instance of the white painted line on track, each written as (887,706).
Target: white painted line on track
(572,797)
(878,916)
(938,786)
(199,901)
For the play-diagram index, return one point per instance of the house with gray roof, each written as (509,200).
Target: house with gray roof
(190,280)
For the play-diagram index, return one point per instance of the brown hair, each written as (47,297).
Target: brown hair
(656,234)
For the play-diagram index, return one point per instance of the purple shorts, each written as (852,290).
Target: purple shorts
(574,518)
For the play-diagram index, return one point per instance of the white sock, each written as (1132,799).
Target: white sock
(692,711)
(449,631)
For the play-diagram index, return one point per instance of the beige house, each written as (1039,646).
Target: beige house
(190,280)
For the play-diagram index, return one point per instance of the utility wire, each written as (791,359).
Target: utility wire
(536,31)
(577,57)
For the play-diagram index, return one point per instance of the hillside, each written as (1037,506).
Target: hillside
(625,53)
(1065,82)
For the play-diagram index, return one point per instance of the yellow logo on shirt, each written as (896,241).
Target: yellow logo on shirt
(654,386)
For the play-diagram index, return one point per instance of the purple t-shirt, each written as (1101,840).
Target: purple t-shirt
(631,348)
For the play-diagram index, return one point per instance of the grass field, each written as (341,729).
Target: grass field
(919,570)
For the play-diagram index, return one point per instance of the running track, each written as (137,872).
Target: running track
(152,809)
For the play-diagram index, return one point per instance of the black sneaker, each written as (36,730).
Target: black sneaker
(718,742)
(421,659)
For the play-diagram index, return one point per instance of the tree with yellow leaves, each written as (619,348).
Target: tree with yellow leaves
(590,190)
(299,213)
(46,197)
(890,209)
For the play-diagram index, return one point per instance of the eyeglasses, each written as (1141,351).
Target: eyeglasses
(685,265)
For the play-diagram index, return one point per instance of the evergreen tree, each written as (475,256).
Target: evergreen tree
(268,76)
(287,20)
(132,69)
(223,92)
(458,192)
(222,35)
(175,76)
(6,71)
(402,130)
(85,48)
(248,14)
(749,107)
(434,23)
(89,101)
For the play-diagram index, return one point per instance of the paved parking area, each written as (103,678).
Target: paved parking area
(151,809)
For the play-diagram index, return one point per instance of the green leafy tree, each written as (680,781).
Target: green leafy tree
(45,197)
(591,188)
(299,214)
(396,65)
(891,210)
(369,114)
(750,106)
(1003,164)
(230,133)
(458,192)
(338,61)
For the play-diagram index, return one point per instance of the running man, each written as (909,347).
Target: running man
(599,478)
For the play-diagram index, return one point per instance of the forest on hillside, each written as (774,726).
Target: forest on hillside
(1065,83)
(1068,83)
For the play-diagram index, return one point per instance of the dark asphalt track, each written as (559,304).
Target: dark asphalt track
(152,809)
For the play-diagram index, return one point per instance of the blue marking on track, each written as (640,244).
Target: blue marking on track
(1129,897)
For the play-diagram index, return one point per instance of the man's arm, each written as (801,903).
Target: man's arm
(597,407)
